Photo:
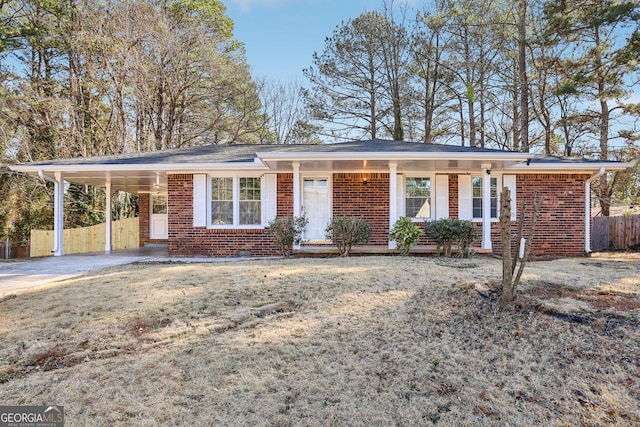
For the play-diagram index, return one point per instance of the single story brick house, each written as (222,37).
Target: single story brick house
(218,200)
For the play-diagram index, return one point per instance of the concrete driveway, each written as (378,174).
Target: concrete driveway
(35,273)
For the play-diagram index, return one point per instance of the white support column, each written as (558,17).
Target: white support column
(486,207)
(107,216)
(587,210)
(297,208)
(393,203)
(58,215)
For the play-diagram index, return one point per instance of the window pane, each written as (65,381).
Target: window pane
(159,205)
(221,201)
(221,188)
(477,197)
(494,187)
(221,212)
(494,197)
(477,187)
(250,212)
(249,188)
(477,208)
(418,197)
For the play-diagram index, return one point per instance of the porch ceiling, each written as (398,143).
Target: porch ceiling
(132,181)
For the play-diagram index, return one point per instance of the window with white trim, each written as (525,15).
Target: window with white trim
(418,197)
(477,194)
(235,201)
(250,201)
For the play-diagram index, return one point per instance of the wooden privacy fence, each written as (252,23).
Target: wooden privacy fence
(124,235)
(615,232)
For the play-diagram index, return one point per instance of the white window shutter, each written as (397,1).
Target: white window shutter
(400,188)
(442,196)
(269,198)
(509,181)
(465,201)
(199,200)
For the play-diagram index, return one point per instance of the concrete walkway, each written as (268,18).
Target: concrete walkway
(35,273)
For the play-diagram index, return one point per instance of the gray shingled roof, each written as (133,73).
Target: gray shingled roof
(248,152)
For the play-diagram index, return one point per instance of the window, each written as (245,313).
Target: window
(477,191)
(235,201)
(249,201)
(159,204)
(418,197)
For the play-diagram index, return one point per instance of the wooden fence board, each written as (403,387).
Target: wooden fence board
(124,234)
(615,233)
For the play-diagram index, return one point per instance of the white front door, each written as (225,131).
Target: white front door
(316,205)
(158,222)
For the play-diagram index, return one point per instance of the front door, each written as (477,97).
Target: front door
(158,223)
(316,206)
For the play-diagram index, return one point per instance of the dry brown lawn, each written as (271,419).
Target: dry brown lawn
(342,341)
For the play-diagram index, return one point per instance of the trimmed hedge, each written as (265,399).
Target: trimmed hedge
(447,232)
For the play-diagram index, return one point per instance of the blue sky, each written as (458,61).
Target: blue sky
(281,35)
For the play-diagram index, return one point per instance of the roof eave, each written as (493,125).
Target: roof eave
(572,167)
(414,155)
(175,167)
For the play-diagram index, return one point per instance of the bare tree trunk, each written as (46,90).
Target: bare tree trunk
(505,232)
(509,261)
(523,79)
(516,115)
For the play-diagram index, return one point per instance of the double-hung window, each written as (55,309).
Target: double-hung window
(418,197)
(249,201)
(477,194)
(235,201)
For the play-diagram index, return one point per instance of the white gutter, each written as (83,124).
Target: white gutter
(174,167)
(573,167)
(58,214)
(587,210)
(46,177)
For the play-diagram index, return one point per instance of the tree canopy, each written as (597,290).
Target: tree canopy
(86,78)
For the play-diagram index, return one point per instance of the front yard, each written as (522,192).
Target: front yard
(357,341)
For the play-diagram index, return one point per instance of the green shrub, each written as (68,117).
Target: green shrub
(346,231)
(405,233)
(441,232)
(286,232)
(447,232)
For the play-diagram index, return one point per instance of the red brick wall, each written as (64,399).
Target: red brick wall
(453,196)
(285,194)
(370,201)
(560,227)
(187,240)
